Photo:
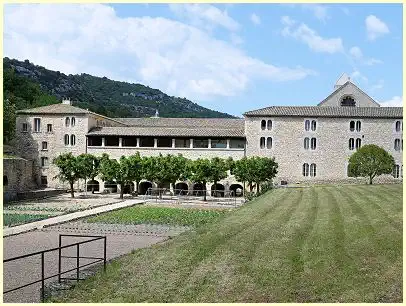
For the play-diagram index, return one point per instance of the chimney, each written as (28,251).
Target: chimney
(66,101)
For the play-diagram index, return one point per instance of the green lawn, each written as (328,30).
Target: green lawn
(319,244)
(16,219)
(159,215)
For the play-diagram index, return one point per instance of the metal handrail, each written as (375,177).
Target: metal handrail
(78,266)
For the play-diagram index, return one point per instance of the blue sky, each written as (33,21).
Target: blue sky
(228,57)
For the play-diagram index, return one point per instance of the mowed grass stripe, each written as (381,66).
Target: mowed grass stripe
(389,198)
(314,244)
(210,280)
(377,212)
(375,248)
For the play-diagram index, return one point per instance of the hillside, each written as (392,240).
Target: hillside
(108,97)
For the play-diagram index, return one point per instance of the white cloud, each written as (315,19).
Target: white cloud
(319,11)
(357,55)
(396,101)
(177,58)
(378,86)
(255,19)
(310,37)
(357,75)
(236,39)
(205,15)
(375,27)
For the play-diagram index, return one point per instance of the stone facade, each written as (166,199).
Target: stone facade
(17,177)
(330,155)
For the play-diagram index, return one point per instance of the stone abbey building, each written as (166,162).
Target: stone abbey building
(310,143)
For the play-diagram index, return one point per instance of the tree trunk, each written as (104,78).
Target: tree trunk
(72,194)
(121,190)
(136,187)
(257,187)
(204,191)
(370,180)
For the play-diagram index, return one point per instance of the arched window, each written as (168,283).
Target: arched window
(263,124)
(306,143)
(66,139)
(314,125)
(347,101)
(358,126)
(307,125)
(351,144)
(73,121)
(313,144)
(313,170)
(269,125)
(397,144)
(269,143)
(72,140)
(358,143)
(67,121)
(397,126)
(305,170)
(262,143)
(396,170)
(352,126)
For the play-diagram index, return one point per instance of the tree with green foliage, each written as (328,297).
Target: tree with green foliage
(137,167)
(219,168)
(179,169)
(370,161)
(69,171)
(89,166)
(201,172)
(122,171)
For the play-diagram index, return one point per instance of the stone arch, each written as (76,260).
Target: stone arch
(237,190)
(198,189)
(217,190)
(129,188)
(181,187)
(111,186)
(143,187)
(93,185)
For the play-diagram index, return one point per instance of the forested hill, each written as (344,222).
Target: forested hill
(108,97)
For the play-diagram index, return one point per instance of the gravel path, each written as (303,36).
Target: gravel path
(121,239)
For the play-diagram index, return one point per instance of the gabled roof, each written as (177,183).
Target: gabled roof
(59,108)
(166,131)
(222,123)
(342,87)
(328,111)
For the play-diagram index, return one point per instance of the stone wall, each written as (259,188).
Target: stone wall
(332,152)
(17,177)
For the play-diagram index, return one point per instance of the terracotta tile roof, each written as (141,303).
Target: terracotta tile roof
(168,131)
(55,109)
(328,111)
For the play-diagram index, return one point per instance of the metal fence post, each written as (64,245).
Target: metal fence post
(59,259)
(105,253)
(42,278)
(77,262)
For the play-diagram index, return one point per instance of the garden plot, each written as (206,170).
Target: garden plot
(28,211)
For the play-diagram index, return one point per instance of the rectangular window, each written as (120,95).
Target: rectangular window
(182,143)
(358,126)
(128,141)
(358,143)
(351,144)
(237,143)
(44,161)
(314,125)
(262,142)
(44,146)
(44,181)
(219,143)
(111,141)
(25,127)
(37,125)
(94,141)
(164,142)
(307,125)
(49,128)
(200,143)
(397,144)
(147,142)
